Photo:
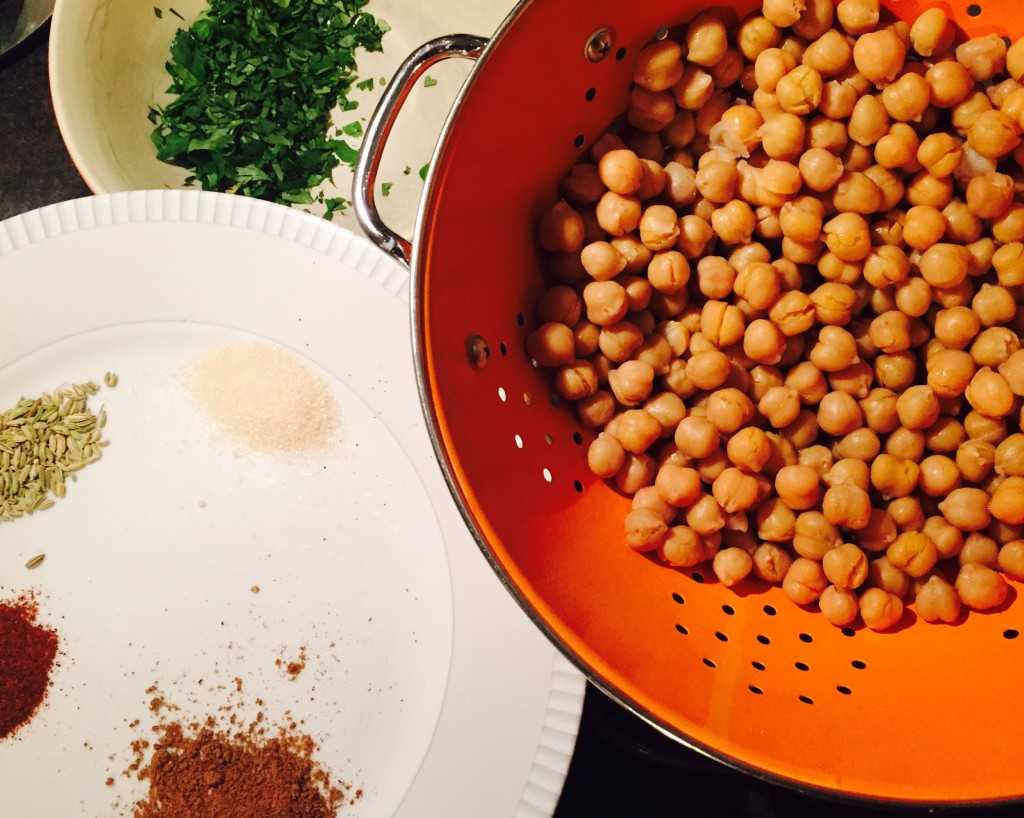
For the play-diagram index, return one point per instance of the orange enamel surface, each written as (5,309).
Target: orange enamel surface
(926,713)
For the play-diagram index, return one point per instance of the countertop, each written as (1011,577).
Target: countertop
(622,768)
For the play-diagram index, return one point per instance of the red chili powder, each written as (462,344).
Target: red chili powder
(27,651)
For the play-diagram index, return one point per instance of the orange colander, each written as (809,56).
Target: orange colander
(921,714)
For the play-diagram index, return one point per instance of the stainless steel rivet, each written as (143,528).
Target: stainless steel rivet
(599,45)
(478,351)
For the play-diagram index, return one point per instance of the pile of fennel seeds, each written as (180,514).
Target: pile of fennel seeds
(43,442)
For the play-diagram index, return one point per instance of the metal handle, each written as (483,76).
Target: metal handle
(383,118)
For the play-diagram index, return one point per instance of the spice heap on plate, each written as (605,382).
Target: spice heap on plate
(220,767)
(27,654)
(44,441)
(265,399)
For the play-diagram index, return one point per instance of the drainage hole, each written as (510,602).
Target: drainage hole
(857,663)
(721,637)
(806,637)
(807,700)
(757,666)
(764,640)
(728,610)
(709,663)
(755,689)
(801,666)
(844,690)
(973,10)
(682,629)
(678,598)
(1010,633)
(768,609)
(697,577)
(848,631)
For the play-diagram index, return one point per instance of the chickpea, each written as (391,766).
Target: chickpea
(931,33)
(659,227)
(944,265)
(847,505)
(834,350)
(645,529)
(605,455)
(913,552)
(994,304)
(696,437)
(757,283)
(805,581)
(847,235)
(596,410)
(839,414)
(980,587)
(732,566)
(857,16)
(1007,503)
(729,409)
(797,487)
(983,57)
(879,609)
(937,601)
(771,563)
(879,410)
(993,134)
(551,344)
(734,222)
(879,56)
(681,547)
(637,471)
(845,566)
(1011,559)
(966,508)
(990,394)
(839,606)
(950,83)
(705,516)
(679,486)
(1008,457)
(659,65)
(994,346)
(989,195)
(893,477)
(830,54)
(706,39)
(650,110)
(979,548)
(820,169)
(1012,369)
(721,323)
(918,407)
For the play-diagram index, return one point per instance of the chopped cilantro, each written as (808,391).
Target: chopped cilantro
(365,85)
(383,80)
(254,84)
(429,81)
(423,170)
(353,129)
(385,188)
(158,12)
(407,170)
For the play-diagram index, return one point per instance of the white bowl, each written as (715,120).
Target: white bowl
(108,69)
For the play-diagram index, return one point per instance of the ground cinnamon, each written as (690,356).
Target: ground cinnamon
(27,653)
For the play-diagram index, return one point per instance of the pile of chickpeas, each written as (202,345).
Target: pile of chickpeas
(785,293)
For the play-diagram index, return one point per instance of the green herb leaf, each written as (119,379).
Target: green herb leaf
(407,170)
(254,84)
(385,188)
(423,171)
(365,85)
(158,12)
(429,81)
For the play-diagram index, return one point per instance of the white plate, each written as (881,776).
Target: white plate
(424,685)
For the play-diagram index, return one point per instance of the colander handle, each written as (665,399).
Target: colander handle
(383,118)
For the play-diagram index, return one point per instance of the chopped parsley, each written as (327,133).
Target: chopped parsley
(254,84)
(429,81)
(423,171)
(385,188)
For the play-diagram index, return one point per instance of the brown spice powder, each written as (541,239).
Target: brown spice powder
(207,773)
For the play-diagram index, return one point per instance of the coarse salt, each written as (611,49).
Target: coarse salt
(265,398)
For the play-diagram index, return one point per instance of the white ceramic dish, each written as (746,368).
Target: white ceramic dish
(424,685)
(107,69)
